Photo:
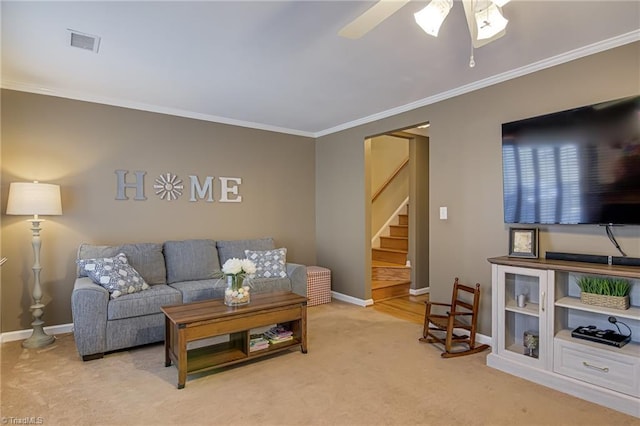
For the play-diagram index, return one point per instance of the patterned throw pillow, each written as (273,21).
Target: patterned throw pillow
(114,274)
(269,263)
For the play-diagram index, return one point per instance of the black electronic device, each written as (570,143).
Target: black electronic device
(579,166)
(592,258)
(607,337)
(625,261)
(575,257)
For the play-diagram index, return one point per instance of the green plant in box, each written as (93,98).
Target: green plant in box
(620,287)
(605,286)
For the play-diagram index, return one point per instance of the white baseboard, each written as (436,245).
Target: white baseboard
(418,291)
(481,338)
(11,336)
(351,299)
(68,328)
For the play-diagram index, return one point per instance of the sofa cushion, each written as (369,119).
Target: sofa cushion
(194,291)
(145,303)
(191,260)
(236,248)
(146,258)
(114,274)
(265,285)
(269,263)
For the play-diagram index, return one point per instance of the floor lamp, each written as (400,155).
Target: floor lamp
(35,199)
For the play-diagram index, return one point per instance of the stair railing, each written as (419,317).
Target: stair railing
(390,179)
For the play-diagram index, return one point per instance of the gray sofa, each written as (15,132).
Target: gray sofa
(177,272)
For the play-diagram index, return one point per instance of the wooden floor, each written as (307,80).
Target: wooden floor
(409,308)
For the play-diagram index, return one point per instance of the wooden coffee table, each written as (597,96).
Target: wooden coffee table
(190,322)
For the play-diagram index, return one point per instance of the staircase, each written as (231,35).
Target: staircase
(390,277)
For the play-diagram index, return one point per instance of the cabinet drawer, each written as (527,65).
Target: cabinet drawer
(601,367)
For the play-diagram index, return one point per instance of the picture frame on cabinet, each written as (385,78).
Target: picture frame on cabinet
(523,242)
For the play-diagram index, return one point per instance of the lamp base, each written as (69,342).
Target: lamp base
(38,338)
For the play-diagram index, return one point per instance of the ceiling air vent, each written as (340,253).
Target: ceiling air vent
(84,41)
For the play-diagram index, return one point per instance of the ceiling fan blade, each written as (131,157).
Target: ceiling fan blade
(371,18)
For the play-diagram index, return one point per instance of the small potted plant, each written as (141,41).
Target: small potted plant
(607,292)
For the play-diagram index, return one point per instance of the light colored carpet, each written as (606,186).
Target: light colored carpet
(363,368)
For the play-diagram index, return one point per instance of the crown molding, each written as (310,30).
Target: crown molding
(581,52)
(124,103)
(591,49)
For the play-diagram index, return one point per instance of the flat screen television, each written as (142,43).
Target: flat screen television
(580,166)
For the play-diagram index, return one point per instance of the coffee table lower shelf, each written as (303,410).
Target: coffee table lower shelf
(210,357)
(201,320)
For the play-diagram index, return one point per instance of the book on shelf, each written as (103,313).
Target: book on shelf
(279,329)
(278,334)
(280,340)
(259,347)
(257,342)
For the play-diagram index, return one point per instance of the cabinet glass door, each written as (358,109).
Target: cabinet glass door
(522,319)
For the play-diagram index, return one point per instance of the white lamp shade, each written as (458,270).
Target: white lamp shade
(34,199)
(490,22)
(431,17)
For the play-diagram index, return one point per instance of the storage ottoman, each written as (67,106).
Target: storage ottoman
(318,285)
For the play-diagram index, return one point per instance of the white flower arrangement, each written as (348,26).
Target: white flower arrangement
(236,270)
(235,266)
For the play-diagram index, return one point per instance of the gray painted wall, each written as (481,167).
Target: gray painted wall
(313,198)
(465,174)
(79,145)
(419,211)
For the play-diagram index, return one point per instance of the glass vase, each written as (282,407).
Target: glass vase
(530,341)
(236,292)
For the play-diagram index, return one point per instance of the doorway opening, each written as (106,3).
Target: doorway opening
(397,165)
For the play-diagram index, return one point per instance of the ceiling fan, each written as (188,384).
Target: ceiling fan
(484,18)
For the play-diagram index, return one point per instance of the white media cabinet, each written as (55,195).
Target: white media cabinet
(596,372)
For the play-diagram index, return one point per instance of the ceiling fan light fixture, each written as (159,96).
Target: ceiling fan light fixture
(431,17)
(490,22)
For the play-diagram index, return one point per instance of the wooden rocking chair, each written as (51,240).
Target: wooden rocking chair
(440,328)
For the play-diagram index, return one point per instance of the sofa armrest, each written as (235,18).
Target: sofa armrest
(298,275)
(89,303)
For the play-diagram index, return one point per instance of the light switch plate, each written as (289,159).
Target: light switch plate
(443,213)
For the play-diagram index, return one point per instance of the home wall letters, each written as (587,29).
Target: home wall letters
(169,187)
